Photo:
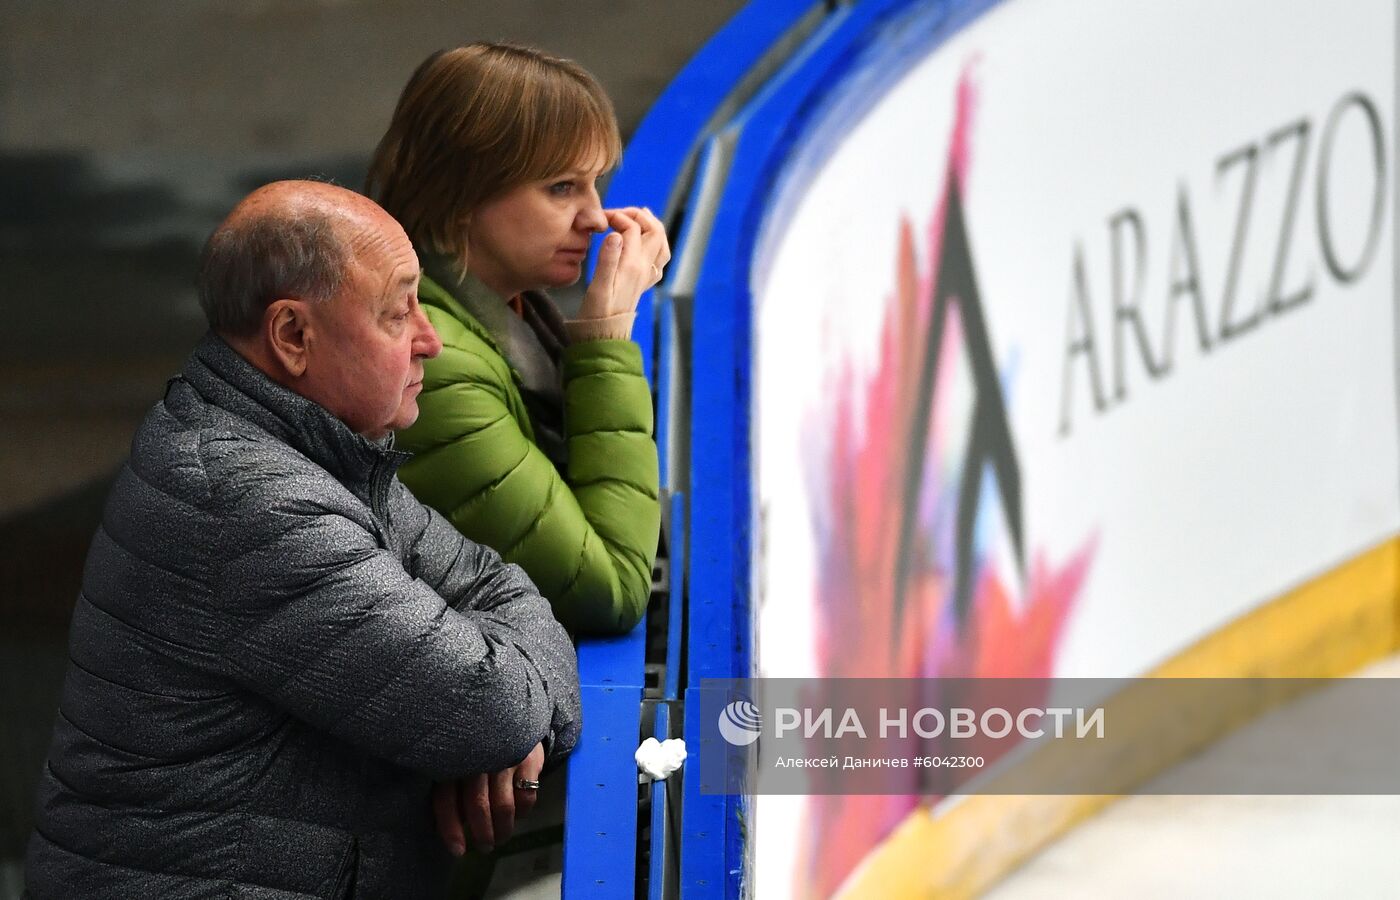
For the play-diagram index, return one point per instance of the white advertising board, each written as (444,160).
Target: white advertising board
(1073,346)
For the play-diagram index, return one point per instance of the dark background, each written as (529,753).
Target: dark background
(127,130)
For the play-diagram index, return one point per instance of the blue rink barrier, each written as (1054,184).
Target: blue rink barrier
(710,154)
(603,856)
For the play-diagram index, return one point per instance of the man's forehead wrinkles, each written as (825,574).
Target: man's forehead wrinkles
(361,236)
(398,278)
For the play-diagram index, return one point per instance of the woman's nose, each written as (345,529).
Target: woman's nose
(591,218)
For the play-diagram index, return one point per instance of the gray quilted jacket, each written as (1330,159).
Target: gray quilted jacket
(275,652)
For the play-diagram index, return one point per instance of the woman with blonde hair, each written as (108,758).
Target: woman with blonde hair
(535,433)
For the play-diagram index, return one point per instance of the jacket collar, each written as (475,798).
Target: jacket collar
(534,367)
(227,380)
(463,295)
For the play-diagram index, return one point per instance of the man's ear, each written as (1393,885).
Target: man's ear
(285,328)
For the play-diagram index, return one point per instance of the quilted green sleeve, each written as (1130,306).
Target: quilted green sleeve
(588,539)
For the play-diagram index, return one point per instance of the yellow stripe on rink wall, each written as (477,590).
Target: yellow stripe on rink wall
(1329,627)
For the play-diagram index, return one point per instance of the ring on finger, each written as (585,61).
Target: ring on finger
(526,784)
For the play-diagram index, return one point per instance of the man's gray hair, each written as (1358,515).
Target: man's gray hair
(261,257)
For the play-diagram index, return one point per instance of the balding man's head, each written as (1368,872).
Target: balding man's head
(317,286)
(289,239)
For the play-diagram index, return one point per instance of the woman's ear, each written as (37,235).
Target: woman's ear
(285,328)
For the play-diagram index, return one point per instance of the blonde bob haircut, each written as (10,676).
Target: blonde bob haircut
(478,121)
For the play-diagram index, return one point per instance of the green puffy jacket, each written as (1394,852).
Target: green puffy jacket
(588,538)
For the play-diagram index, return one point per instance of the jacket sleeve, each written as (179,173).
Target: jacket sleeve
(334,629)
(587,539)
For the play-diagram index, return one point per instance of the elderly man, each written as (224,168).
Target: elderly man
(277,649)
